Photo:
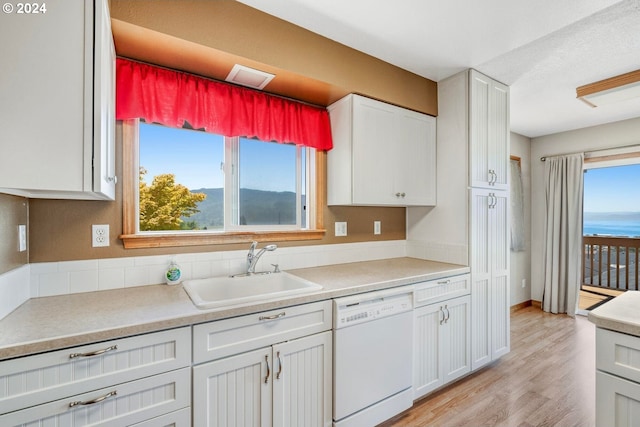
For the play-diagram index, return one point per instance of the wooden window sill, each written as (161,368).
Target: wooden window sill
(163,240)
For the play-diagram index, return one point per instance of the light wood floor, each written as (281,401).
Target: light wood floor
(587,299)
(548,379)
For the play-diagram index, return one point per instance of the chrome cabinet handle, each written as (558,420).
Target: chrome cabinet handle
(493,177)
(441,320)
(447,318)
(279,366)
(493,201)
(273,317)
(266,359)
(93,353)
(401,194)
(444,282)
(93,401)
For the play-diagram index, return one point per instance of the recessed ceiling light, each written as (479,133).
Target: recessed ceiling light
(250,77)
(608,91)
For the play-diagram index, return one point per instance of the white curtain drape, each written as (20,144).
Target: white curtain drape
(562,258)
(517,207)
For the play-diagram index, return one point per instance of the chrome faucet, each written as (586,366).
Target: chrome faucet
(252,259)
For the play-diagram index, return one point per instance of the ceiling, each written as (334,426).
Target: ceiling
(542,49)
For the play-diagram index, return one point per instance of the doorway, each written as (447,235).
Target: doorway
(611,231)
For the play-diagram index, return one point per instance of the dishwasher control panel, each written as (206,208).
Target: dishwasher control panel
(370,306)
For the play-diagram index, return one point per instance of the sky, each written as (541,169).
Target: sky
(612,189)
(162,150)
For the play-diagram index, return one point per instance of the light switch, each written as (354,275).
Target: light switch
(22,237)
(341,229)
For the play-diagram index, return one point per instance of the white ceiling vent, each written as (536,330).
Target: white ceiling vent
(246,76)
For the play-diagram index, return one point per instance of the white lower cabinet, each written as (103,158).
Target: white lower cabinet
(115,383)
(617,379)
(441,345)
(287,383)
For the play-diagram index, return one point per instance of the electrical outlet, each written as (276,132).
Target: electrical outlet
(341,229)
(100,235)
(524,283)
(377,227)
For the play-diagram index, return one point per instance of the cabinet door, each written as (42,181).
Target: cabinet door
(42,108)
(234,391)
(374,145)
(104,101)
(489,239)
(415,157)
(499,135)
(499,298)
(302,382)
(427,372)
(617,401)
(456,346)
(481,258)
(488,132)
(47,109)
(442,344)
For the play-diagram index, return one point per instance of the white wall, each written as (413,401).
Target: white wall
(441,233)
(520,262)
(610,135)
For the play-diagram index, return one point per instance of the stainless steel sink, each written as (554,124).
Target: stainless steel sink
(228,291)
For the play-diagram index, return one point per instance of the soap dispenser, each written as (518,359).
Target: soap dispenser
(173,273)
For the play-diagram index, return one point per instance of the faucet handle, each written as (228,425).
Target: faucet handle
(276,268)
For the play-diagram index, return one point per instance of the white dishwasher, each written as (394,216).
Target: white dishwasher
(373,336)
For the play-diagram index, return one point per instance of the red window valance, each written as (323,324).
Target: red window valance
(171,98)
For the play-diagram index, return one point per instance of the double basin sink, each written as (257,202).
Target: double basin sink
(229,291)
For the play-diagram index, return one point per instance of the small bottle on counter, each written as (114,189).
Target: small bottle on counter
(174,273)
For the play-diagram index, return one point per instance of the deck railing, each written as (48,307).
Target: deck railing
(611,262)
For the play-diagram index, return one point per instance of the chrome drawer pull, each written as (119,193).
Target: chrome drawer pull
(444,282)
(266,359)
(279,367)
(275,316)
(93,401)
(93,353)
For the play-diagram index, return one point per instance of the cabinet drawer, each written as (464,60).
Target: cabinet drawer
(441,289)
(32,380)
(223,338)
(181,418)
(618,354)
(117,405)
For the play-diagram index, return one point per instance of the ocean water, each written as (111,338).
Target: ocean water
(611,228)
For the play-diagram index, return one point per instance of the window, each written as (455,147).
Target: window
(222,189)
(265,191)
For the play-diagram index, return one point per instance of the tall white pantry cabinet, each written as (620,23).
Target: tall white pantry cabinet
(489,218)
(474,119)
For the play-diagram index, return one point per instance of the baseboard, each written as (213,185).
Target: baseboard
(537,304)
(521,305)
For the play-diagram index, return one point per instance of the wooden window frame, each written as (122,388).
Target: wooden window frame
(132,239)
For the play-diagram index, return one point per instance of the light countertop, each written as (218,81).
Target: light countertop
(50,323)
(621,314)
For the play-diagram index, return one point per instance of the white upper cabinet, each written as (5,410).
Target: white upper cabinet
(383,155)
(488,132)
(57,110)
